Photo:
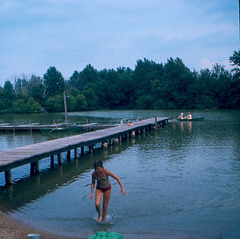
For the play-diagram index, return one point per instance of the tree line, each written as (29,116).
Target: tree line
(150,85)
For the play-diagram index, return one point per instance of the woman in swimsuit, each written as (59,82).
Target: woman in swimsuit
(103,188)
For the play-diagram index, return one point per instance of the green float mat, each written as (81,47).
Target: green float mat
(107,235)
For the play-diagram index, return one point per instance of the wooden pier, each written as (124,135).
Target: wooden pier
(31,154)
(35,127)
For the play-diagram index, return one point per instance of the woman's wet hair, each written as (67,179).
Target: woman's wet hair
(98,163)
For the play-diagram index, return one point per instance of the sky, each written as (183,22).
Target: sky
(37,34)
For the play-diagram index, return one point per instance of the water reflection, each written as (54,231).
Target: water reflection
(186,125)
(182,179)
(31,188)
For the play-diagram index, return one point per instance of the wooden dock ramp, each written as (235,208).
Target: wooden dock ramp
(31,154)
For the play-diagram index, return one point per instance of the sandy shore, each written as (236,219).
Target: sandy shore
(12,229)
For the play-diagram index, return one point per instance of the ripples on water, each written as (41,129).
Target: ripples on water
(181,181)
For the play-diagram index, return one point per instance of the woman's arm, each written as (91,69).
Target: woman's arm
(93,185)
(118,180)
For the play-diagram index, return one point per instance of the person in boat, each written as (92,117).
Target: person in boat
(189,116)
(103,188)
(180,116)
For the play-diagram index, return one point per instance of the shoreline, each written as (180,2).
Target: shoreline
(13,229)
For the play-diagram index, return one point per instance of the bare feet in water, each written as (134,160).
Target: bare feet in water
(99,218)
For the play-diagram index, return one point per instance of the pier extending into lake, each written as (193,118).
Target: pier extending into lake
(31,154)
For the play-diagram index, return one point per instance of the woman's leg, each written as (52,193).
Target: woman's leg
(98,198)
(106,198)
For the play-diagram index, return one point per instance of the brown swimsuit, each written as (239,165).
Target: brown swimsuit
(103,183)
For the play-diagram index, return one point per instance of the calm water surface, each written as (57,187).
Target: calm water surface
(182,181)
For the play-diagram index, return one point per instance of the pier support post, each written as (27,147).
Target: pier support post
(111,141)
(133,134)
(8,177)
(68,155)
(52,161)
(90,148)
(82,150)
(120,138)
(34,168)
(75,153)
(60,159)
(156,123)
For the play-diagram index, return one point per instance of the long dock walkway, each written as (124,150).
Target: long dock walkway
(31,154)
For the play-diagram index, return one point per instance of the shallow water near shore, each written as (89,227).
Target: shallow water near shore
(182,180)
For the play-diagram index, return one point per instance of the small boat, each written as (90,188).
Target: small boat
(193,119)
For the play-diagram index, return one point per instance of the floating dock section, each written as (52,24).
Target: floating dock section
(31,154)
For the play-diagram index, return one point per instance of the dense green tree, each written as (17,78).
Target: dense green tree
(115,89)
(29,106)
(126,89)
(71,102)
(74,92)
(92,99)
(109,90)
(19,106)
(81,102)
(75,80)
(83,80)
(8,95)
(235,60)
(149,86)
(101,89)
(18,86)
(204,90)
(54,82)
(36,88)
(145,102)
(159,104)
(234,96)
(33,106)
(178,79)
(234,89)
(1,99)
(55,103)
(89,76)
(144,74)
(32,87)
(222,81)
(213,87)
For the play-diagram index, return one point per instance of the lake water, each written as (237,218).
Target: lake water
(182,180)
